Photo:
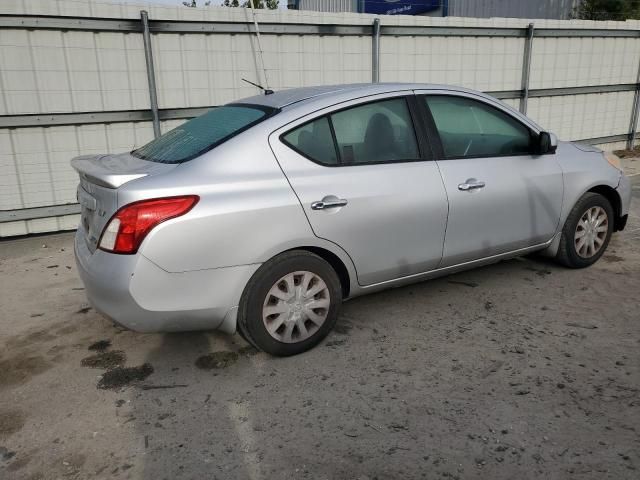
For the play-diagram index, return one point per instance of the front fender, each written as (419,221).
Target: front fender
(583,170)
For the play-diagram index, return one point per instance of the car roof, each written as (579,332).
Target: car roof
(329,93)
(298,102)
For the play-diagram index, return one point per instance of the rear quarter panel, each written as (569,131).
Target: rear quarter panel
(247,211)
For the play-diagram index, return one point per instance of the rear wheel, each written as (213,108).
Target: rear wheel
(586,232)
(290,304)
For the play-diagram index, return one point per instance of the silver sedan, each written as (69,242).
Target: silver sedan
(263,215)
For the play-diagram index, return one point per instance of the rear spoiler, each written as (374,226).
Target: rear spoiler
(113,171)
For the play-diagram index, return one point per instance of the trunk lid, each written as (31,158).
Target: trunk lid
(100,178)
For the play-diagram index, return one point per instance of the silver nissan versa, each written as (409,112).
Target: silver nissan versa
(264,214)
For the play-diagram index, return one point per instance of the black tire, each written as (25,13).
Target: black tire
(567,253)
(250,312)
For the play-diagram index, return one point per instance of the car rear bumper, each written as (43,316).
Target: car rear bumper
(136,293)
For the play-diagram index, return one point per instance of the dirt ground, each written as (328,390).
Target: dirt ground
(519,370)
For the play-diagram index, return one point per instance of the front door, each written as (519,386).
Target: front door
(365,184)
(501,196)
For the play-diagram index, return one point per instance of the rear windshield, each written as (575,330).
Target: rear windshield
(201,134)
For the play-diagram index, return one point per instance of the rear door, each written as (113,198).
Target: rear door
(501,196)
(366,183)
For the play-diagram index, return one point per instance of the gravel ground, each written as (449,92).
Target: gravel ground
(519,370)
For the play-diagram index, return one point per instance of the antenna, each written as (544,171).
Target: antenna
(267,91)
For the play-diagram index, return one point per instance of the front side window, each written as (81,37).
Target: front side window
(201,134)
(469,128)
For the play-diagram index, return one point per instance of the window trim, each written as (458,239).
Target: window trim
(422,133)
(269,112)
(413,116)
(434,135)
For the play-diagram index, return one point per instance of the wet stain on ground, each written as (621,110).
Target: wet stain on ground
(19,463)
(20,369)
(6,454)
(216,360)
(248,351)
(11,421)
(84,310)
(105,360)
(120,377)
(100,345)
(612,258)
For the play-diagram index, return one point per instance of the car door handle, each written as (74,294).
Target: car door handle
(331,202)
(471,184)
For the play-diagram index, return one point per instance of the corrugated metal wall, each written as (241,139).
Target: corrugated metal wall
(329,6)
(557,9)
(45,71)
(551,9)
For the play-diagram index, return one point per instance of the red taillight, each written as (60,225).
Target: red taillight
(128,227)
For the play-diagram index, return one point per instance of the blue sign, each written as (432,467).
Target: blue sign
(400,7)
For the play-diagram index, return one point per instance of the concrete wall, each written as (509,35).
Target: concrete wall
(46,71)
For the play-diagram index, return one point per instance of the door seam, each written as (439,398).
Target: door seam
(307,216)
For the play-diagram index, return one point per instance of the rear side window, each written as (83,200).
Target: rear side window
(314,140)
(376,132)
(469,128)
(201,134)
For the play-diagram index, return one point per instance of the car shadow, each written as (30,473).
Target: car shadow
(215,408)
(182,407)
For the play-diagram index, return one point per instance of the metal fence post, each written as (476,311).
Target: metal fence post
(151,76)
(526,69)
(375,51)
(633,125)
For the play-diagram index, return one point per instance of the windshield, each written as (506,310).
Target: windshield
(201,134)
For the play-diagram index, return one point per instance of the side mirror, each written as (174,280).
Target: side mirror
(546,143)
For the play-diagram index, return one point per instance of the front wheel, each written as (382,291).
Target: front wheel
(290,304)
(586,232)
